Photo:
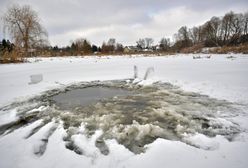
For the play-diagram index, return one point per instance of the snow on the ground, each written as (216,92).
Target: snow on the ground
(219,77)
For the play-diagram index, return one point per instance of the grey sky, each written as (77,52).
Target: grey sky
(125,20)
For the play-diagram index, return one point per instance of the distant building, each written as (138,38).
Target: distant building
(131,49)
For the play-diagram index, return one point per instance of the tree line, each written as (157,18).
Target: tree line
(29,36)
(230,30)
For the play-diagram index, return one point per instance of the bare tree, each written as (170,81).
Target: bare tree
(226,26)
(23,24)
(148,42)
(85,46)
(164,44)
(119,48)
(145,43)
(141,43)
(81,46)
(211,32)
(194,34)
(231,29)
(109,47)
(237,26)
(245,24)
(111,42)
(182,38)
(112,47)
(183,33)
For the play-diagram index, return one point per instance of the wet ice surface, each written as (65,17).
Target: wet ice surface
(133,115)
(86,96)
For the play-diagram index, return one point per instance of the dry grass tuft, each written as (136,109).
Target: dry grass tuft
(15,56)
(243,48)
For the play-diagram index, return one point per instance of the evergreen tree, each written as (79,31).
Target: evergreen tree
(94,48)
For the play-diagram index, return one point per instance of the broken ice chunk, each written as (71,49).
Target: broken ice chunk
(36,78)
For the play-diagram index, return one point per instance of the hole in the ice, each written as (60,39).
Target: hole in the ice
(85,96)
(133,115)
(137,116)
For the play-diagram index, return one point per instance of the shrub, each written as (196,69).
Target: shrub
(14,56)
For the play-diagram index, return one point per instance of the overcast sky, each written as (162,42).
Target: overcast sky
(125,20)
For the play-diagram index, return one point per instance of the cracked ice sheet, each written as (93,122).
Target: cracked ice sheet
(218,77)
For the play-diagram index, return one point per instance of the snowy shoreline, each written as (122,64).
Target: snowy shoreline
(206,76)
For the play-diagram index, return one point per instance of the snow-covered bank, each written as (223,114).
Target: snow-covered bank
(218,77)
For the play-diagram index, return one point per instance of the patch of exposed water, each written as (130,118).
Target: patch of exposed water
(86,96)
(133,115)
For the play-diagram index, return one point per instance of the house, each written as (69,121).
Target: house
(126,49)
(131,49)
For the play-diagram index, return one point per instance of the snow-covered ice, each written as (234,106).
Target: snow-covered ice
(42,142)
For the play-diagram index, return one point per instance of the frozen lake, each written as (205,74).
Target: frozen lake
(188,112)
